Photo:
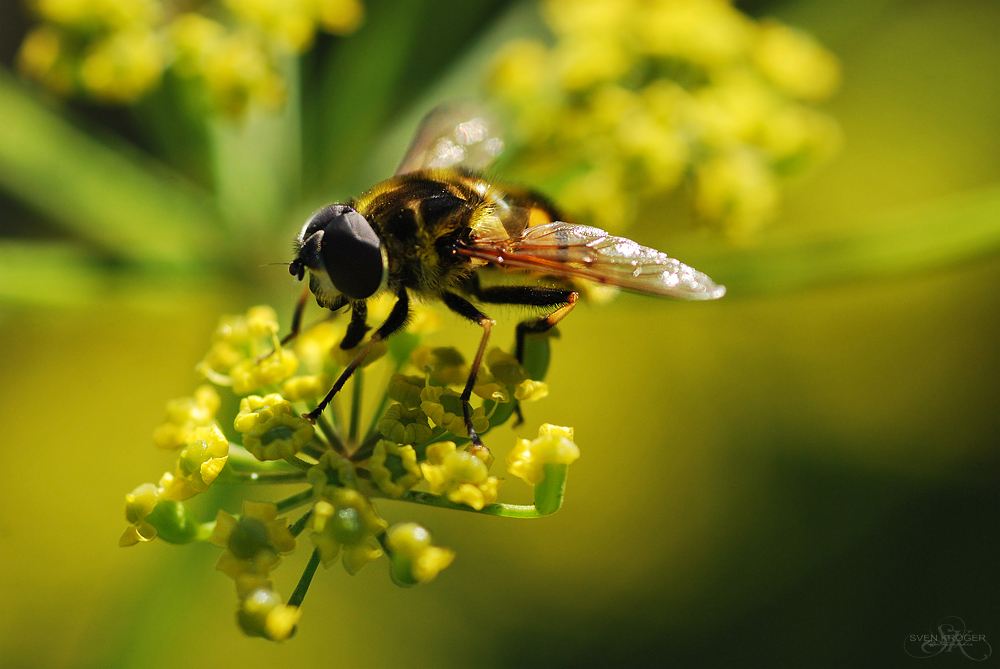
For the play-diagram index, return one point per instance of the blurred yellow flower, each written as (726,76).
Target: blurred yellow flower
(634,98)
(306,387)
(43,56)
(198,464)
(186,414)
(795,62)
(123,66)
(414,558)
(262,614)
(117,51)
(138,504)
(254,543)
(96,14)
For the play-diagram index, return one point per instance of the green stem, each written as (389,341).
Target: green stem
(300,524)
(241,461)
(358,389)
(365,449)
(377,416)
(307,576)
(298,463)
(295,501)
(331,435)
(314,450)
(505,510)
(270,477)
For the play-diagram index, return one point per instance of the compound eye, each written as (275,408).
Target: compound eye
(351,251)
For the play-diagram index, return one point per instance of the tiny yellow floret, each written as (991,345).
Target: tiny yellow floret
(554,445)
(253,544)
(198,464)
(270,428)
(138,504)
(344,519)
(404,426)
(414,558)
(394,467)
(262,614)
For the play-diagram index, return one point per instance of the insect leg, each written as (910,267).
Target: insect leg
(300,308)
(532,296)
(462,307)
(543,324)
(358,326)
(397,319)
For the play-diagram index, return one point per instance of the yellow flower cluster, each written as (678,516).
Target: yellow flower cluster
(635,97)
(459,475)
(341,469)
(117,51)
(240,354)
(203,454)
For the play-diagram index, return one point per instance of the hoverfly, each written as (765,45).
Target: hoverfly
(431,228)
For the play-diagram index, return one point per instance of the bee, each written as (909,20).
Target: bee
(434,227)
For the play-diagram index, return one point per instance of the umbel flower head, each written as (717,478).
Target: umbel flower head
(414,450)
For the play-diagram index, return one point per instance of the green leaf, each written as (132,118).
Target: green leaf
(102,191)
(923,238)
(61,274)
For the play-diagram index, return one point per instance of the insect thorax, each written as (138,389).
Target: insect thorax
(421,218)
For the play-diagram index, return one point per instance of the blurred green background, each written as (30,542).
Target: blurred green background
(802,474)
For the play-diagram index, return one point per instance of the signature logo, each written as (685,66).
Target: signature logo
(951,636)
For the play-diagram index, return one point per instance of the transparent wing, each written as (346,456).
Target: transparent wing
(457,134)
(582,252)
